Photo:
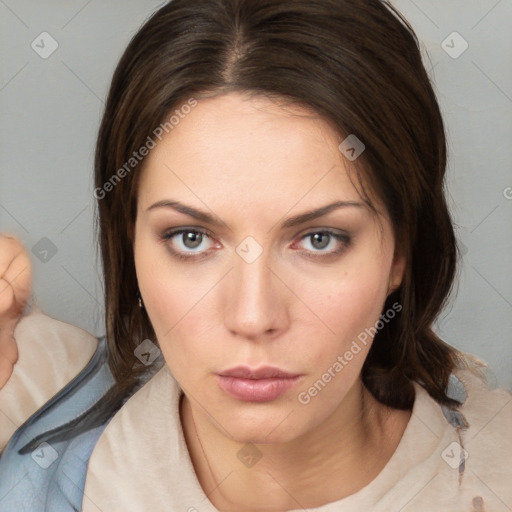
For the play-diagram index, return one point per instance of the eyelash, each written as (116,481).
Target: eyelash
(340,237)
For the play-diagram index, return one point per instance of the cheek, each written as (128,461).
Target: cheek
(350,308)
(170,291)
(347,303)
(358,301)
(179,308)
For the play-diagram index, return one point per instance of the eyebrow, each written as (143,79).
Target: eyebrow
(291,222)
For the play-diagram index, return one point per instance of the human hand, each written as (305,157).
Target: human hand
(15,291)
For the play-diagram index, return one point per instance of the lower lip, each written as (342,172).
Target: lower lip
(256,390)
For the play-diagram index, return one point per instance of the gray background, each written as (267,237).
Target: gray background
(51,108)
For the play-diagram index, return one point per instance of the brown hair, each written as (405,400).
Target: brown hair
(357,64)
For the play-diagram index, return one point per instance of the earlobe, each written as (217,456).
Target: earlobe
(397,272)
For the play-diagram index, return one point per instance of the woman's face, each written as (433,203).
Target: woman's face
(235,275)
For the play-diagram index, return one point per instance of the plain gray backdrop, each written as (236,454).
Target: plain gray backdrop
(57,60)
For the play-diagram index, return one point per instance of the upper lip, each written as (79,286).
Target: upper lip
(264,372)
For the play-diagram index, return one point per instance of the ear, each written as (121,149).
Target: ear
(397,271)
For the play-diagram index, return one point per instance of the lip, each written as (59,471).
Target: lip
(264,372)
(257,384)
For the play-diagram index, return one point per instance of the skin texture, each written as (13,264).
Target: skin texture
(254,163)
(15,289)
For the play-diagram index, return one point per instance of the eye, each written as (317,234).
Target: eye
(188,243)
(325,243)
(191,243)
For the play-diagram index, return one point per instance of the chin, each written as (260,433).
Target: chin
(263,426)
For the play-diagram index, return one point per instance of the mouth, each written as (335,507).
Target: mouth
(257,385)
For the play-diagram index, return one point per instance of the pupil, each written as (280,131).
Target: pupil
(317,237)
(192,240)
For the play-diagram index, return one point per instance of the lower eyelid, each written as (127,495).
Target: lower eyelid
(320,255)
(339,237)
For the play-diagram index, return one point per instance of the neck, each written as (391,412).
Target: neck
(336,459)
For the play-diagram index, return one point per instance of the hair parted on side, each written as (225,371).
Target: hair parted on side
(357,64)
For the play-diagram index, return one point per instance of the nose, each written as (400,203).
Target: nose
(255,306)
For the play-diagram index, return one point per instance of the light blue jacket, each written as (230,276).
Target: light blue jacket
(50,477)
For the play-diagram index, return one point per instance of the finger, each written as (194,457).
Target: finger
(6,297)
(16,272)
(10,247)
(19,276)
(10,313)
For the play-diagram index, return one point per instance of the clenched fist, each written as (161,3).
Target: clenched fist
(15,291)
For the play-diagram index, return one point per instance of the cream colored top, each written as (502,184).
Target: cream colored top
(141,461)
(51,353)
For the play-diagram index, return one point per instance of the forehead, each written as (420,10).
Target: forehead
(248,148)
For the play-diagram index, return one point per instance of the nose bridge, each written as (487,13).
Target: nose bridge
(253,305)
